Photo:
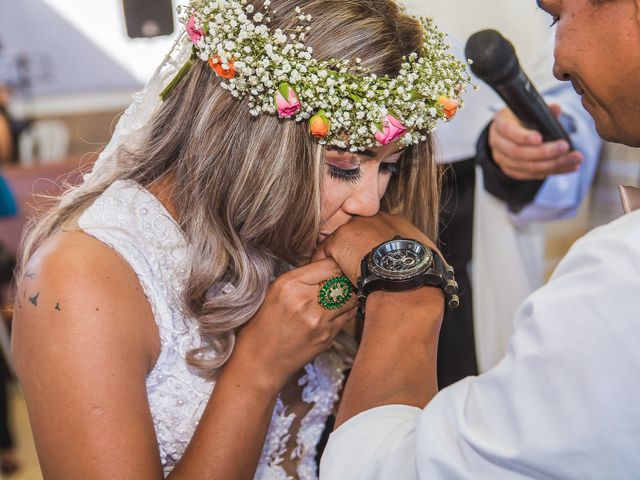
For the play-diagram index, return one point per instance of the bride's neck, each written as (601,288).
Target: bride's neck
(163,189)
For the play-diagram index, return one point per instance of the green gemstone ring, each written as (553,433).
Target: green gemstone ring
(335,292)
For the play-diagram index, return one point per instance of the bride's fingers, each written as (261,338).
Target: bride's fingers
(317,272)
(342,320)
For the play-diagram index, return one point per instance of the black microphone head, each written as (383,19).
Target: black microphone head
(493,57)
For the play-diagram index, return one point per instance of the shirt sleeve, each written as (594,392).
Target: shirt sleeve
(562,404)
(378,444)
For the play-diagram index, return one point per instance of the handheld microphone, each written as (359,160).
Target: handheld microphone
(496,63)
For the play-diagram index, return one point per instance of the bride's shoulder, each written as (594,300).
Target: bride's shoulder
(72,259)
(77,289)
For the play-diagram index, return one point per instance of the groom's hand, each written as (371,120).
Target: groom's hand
(351,242)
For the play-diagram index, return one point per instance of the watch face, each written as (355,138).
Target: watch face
(400,259)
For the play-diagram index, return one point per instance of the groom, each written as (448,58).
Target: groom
(565,401)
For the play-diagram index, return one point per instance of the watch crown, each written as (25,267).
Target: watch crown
(454,301)
(451,287)
(450,270)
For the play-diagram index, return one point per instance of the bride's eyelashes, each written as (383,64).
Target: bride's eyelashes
(350,175)
(354,174)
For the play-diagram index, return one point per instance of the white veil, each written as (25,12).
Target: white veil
(145,103)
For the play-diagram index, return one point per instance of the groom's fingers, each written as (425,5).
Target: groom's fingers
(316,272)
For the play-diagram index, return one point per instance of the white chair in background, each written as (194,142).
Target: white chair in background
(45,141)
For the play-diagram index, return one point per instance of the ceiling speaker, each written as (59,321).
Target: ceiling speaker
(148,18)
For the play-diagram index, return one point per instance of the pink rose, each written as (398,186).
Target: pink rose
(286,101)
(392,129)
(195,34)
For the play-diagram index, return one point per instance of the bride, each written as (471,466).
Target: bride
(182,263)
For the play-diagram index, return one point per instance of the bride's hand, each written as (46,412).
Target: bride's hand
(291,327)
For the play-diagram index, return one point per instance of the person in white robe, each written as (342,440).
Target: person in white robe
(483,325)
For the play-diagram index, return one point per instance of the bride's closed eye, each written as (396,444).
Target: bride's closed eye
(344,174)
(354,174)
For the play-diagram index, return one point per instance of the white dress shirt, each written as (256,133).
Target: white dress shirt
(564,403)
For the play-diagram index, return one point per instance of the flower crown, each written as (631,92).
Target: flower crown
(345,105)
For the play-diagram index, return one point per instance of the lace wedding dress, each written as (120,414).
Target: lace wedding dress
(135,224)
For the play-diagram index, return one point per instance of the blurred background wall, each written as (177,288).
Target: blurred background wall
(71,60)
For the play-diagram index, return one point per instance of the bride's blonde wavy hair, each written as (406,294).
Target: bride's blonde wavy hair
(247,189)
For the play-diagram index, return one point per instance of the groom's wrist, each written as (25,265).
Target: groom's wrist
(414,312)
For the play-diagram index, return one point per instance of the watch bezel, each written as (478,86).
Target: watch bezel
(400,244)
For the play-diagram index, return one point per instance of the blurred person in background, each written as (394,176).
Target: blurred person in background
(201,216)
(10,129)
(9,463)
(523,182)
(7,136)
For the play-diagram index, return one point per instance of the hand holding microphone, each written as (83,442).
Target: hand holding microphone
(523,154)
(527,140)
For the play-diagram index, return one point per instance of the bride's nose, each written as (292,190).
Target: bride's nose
(364,200)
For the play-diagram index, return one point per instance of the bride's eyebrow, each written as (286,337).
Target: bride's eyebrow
(366,152)
(372,154)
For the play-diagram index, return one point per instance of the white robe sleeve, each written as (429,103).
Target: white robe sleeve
(564,403)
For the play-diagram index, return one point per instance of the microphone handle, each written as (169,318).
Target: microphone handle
(527,104)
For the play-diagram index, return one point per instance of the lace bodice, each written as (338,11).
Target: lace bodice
(135,224)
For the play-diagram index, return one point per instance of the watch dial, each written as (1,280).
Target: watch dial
(402,258)
(399,260)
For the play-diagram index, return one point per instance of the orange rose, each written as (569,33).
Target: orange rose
(319,125)
(216,63)
(450,106)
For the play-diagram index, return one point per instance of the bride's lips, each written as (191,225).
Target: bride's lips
(322,236)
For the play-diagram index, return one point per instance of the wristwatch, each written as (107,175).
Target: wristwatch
(404,264)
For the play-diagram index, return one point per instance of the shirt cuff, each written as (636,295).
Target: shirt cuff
(380,440)
(517,194)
